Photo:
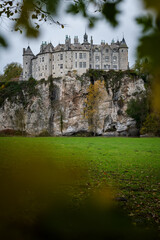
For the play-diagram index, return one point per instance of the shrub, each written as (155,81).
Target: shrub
(138,109)
(151,124)
(12,132)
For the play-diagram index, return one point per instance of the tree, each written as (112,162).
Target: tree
(27,15)
(143,68)
(92,102)
(11,71)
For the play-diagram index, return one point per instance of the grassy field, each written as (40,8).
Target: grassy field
(32,170)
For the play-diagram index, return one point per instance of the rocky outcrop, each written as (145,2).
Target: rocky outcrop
(57,107)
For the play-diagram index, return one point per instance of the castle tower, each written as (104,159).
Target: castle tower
(123,55)
(27,63)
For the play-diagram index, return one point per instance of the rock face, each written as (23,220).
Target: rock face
(58,108)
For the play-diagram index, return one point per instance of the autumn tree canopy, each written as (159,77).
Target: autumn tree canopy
(11,71)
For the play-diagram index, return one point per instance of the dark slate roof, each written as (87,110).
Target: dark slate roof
(28,51)
(123,43)
(48,48)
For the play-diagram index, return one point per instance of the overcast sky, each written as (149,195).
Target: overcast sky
(75,26)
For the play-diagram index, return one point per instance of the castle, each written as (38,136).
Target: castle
(64,58)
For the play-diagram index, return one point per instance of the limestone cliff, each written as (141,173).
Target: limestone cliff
(56,106)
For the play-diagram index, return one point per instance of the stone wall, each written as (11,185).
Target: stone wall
(57,108)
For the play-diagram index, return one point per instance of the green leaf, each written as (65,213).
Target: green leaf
(110,11)
(3,42)
(146,22)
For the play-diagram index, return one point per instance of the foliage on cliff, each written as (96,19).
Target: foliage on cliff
(12,72)
(112,79)
(92,102)
(17,91)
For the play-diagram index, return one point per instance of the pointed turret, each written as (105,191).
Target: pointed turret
(27,65)
(123,43)
(27,51)
(85,38)
(91,41)
(123,55)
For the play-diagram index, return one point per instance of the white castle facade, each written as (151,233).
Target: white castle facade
(64,58)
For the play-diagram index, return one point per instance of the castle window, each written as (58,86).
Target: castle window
(42,59)
(42,67)
(107,50)
(61,66)
(84,55)
(122,50)
(80,64)
(76,64)
(26,63)
(76,55)
(97,67)
(114,59)
(107,66)
(97,58)
(107,58)
(45,67)
(38,68)
(84,64)
(53,58)
(61,56)
(115,67)
(80,55)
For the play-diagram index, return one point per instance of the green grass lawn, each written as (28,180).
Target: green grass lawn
(32,170)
